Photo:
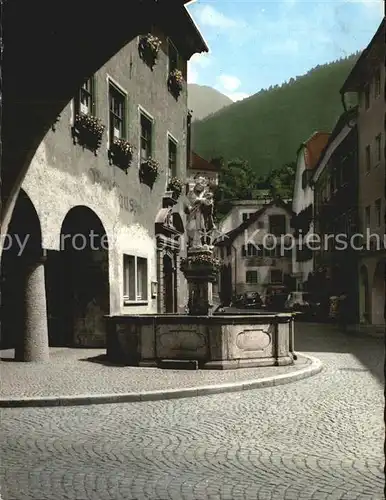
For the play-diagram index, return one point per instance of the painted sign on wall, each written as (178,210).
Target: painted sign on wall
(126,203)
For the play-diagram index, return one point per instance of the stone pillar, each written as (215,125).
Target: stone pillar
(34,344)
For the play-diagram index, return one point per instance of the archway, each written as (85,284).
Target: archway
(364,299)
(169,279)
(23,304)
(378,294)
(79,281)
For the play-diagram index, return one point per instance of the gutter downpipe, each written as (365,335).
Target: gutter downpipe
(235,267)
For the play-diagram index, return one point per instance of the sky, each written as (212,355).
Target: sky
(254,44)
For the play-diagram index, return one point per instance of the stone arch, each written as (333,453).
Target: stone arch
(364,296)
(23,307)
(378,294)
(78,280)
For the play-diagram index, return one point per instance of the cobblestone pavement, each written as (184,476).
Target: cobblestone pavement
(320,438)
(71,372)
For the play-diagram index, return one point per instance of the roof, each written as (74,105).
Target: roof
(374,50)
(232,235)
(199,163)
(202,45)
(346,119)
(313,148)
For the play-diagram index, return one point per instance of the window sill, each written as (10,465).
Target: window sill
(127,302)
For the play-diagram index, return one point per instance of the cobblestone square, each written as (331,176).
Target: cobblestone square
(319,438)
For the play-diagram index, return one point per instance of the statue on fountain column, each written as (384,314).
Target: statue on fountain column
(200,214)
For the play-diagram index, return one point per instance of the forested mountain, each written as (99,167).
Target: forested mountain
(204,100)
(267,128)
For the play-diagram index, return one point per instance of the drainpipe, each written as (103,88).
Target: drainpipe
(343,100)
(235,250)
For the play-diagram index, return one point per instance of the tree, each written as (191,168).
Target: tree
(237,180)
(281,180)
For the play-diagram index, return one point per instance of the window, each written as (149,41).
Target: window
(135,278)
(367,96)
(117,113)
(85,102)
(276,276)
(172,57)
(277,225)
(172,158)
(146,137)
(368,158)
(367,217)
(377,83)
(378,149)
(141,278)
(245,216)
(251,277)
(129,277)
(378,212)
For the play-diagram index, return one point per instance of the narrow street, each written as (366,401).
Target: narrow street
(320,438)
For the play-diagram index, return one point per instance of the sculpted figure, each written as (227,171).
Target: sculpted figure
(200,214)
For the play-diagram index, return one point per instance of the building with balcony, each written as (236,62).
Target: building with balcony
(101,219)
(308,155)
(257,252)
(335,184)
(367,81)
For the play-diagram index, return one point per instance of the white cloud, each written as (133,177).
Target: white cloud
(236,96)
(209,16)
(196,63)
(192,74)
(228,82)
(202,60)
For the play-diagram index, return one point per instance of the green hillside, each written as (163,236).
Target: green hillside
(267,128)
(204,100)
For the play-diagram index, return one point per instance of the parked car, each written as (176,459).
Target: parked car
(304,303)
(252,300)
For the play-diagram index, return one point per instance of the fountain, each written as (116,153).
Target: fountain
(202,337)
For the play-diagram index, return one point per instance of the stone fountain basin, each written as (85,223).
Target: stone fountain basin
(221,341)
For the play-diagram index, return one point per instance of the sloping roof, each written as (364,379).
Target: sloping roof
(344,120)
(358,74)
(199,163)
(313,148)
(230,236)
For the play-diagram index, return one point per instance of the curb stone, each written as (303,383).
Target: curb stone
(165,394)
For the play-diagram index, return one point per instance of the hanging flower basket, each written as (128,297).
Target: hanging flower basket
(175,185)
(148,48)
(176,82)
(88,130)
(149,171)
(121,153)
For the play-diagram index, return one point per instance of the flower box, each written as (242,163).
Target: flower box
(148,48)
(121,153)
(203,263)
(88,130)
(175,186)
(148,171)
(176,82)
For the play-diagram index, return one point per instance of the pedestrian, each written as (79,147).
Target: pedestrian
(342,311)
